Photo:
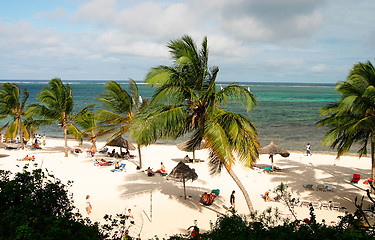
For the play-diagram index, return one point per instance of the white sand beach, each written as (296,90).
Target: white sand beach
(158,205)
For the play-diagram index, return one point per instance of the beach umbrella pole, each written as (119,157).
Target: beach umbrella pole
(183,180)
(272,161)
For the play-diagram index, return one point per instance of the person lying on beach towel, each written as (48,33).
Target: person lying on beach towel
(102,162)
(27,158)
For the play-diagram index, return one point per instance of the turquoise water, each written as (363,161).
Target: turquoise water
(286,113)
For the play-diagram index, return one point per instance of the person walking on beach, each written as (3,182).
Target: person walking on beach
(88,205)
(308,149)
(232,201)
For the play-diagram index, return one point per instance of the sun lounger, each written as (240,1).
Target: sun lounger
(325,205)
(369,214)
(120,169)
(305,203)
(267,169)
(308,187)
(319,187)
(328,188)
(315,204)
(356,178)
(335,206)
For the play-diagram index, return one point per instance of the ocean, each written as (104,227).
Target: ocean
(286,112)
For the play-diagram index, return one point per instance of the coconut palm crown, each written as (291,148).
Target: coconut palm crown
(352,118)
(121,107)
(187,101)
(56,104)
(12,105)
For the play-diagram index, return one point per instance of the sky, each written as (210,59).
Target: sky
(296,41)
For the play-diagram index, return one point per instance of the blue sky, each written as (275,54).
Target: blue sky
(250,40)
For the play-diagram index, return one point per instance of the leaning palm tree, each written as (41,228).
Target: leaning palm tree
(12,105)
(121,108)
(187,101)
(56,105)
(352,118)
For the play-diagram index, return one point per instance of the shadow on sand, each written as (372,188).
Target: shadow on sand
(174,190)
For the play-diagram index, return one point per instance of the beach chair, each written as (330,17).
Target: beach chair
(305,203)
(319,187)
(267,169)
(325,205)
(315,204)
(308,187)
(328,188)
(216,192)
(120,169)
(356,178)
(335,206)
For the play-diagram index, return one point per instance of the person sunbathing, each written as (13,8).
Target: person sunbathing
(149,172)
(162,170)
(187,159)
(207,199)
(117,165)
(27,158)
(267,197)
(35,146)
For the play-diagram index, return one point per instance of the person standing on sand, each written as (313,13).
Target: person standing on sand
(308,149)
(232,201)
(88,205)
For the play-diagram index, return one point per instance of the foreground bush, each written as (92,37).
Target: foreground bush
(35,205)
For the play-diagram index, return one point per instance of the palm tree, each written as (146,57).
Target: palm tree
(121,108)
(12,105)
(187,101)
(85,125)
(352,118)
(56,105)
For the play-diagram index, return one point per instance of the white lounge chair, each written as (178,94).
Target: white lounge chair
(315,204)
(325,205)
(335,206)
(328,188)
(319,187)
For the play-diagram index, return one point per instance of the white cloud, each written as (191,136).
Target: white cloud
(283,35)
(319,68)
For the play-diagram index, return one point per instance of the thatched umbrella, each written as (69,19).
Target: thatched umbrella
(182,173)
(122,143)
(273,149)
(185,146)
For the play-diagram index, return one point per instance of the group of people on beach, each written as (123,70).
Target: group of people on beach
(268,198)
(161,171)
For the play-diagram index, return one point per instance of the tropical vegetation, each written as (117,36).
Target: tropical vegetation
(188,102)
(351,120)
(12,105)
(86,126)
(120,110)
(56,104)
(36,205)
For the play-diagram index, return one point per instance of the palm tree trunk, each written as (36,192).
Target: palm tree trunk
(66,140)
(241,186)
(93,139)
(21,135)
(372,160)
(139,154)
